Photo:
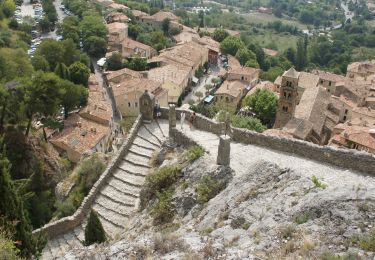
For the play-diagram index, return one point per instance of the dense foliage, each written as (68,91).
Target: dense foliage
(94,231)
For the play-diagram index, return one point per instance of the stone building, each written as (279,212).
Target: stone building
(231,92)
(117,32)
(288,98)
(130,48)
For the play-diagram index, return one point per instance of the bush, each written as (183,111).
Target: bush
(366,241)
(302,218)
(127,123)
(194,152)
(162,211)
(318,183)
(94,231)
(207,189)
(159,180)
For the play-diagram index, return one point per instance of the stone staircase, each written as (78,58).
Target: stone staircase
(120,196)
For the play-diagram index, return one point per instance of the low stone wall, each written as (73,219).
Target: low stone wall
(66,224)
(345,158)
(180,138)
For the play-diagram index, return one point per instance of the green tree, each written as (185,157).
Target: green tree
(8,7)
(138,64)
(272,73)
(40,63)
(244,55)
(73,96)
(165,25)
(41,95)
(12,209)
(79,73)
(94,231)
(301,56)
(264,104)
(52,51)
(290,54)
(220,34)
(93,26)
(114,62)
(14,63)
(62,71)
(231,45)
(95,46)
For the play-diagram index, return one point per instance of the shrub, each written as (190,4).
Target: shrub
(207,189)
(162,211)
(94,231)
(365,241)
(161,179)
(194,152)
(318,183)
(302,218)
(327,255)
(287,231)
(127,122)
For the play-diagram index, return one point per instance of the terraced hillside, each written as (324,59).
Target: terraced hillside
(120,197)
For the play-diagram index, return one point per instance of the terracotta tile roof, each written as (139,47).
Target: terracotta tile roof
(362,67)
(79,134)
(113,74)
(131,44)
(98,107)
(328,76)
(117,17)
(278,80)
(312,107)
(291,73)
(138,13)
(161,15)
(233,62)
(209,43)
(232,88)
(263,85)
(243,71)
(116,27)
(307,80)
(175,73)
(360,135)
(136,84)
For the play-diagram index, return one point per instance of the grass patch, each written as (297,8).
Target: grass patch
(287,231)
(301,219)
(327,255)
(161,179)
(366,241)
(193,153)
(162,211)
(318,183)
(207,189)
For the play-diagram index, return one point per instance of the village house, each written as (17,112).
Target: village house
(360,137)
(212,46)
(246,74)
(360,69)
(128,92)
(118,76)
(231,92)
(117,32)
(328,80)
(116,7)
(117,17)
(156,20)
(132,48)
(89,130)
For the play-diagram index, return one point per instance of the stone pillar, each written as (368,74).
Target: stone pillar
(172,125)
(223,153)
(172,116)
(146,106)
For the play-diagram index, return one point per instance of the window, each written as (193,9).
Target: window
(289,96)
(346,111)
(136,104)
(330,83)
(242,78)
(344,118)
(284,94)
(129,105)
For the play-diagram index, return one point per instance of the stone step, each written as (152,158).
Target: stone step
(115,205)
(118,195)
(164,126)
(126,178)
(46,253)
(139,164)
(137,159)
(149,140)
(55,248)
(108,215)
(79,233)
(153,129)
(145,133)
(132,169)
(125,189)
(144,144)
(142,150)
(64,245)
(111,229)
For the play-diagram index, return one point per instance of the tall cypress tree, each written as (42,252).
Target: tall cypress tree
(12,209)
(94,231)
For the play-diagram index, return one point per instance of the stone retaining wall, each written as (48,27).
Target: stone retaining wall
(66,224)
(181,139)
(345,158)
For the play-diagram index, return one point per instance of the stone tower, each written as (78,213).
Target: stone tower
(147,104)
(288,98)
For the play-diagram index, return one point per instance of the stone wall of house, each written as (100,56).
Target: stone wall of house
(63,225)
(345,158)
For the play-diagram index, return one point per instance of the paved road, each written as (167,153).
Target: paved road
(348,14)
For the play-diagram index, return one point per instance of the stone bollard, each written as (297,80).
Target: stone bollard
(172,116)
(223,153)
(172,125)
